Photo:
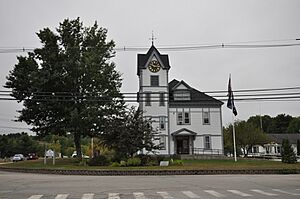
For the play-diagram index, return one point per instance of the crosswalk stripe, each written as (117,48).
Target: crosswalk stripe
(35,197)
(164,195)
(263,192)
(214,193)
(88,196)
(139,195)
(286,192)
(113,196)
(239,193)
(61,196)
(190,194)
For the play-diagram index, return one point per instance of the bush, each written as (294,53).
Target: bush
(123,163)
(176,162)
(134,161)
(115,164)
(100,160)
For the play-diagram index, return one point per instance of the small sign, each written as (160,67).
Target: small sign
(164,163)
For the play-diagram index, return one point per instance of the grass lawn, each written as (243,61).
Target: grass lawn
(187,165)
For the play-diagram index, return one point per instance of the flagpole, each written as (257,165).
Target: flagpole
(233,133)
(230,104)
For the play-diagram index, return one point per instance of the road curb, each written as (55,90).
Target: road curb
(150,172)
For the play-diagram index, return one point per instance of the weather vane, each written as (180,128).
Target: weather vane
(152,38)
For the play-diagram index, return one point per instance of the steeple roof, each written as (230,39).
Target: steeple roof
(143,59)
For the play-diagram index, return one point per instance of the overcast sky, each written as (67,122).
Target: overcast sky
(174,22)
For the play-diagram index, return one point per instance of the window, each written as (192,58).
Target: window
(179,118)
(161,99)
(186,117)
(207,144)
(148,99)
(182,95)
(206,117)
(154,80)
(183,118)
(255,149)
(278,149)
(162,123)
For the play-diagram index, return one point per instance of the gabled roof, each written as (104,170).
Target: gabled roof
(198,99)
(181,83)
(143,59)
(183,130)
(278,138)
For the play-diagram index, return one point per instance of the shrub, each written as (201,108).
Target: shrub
(176,162)
(100,160)
(123,163)
(134,161)
(115,164)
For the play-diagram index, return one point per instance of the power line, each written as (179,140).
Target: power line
(134,93)
(237,45)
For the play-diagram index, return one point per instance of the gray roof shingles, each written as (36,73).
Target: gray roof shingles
(198,99)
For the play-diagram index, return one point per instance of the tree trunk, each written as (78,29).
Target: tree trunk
(77,141)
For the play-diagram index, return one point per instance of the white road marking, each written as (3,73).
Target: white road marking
(190,194)
(239,193)
(61,196)
(263,192)
(113,196)
(164,195)
(35,197)
(214,193)
(286,192)
(88,196)
(139,195)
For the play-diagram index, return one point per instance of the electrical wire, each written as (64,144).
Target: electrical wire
(236,45)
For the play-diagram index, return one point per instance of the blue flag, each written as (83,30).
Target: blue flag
(230,102)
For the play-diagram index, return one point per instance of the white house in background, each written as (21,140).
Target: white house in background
(273,148)
(188,121)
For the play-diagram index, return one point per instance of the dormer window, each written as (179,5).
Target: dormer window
(182,95)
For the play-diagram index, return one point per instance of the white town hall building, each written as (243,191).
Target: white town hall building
(188,121)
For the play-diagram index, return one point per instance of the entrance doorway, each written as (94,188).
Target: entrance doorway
(182,145)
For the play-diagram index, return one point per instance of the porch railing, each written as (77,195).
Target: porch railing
(204,151)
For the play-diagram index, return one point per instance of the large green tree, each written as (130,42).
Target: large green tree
(294,125)
(247,136)
(69,84)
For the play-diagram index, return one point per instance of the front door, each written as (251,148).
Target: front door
(182,144)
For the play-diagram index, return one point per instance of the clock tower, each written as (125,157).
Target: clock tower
(152,70)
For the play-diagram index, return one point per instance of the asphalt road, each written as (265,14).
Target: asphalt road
(36,186)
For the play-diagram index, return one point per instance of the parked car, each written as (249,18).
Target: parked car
(32,156)
(18,157)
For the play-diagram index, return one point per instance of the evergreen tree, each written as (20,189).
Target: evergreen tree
(70,84)
(287,153)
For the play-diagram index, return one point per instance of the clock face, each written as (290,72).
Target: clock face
(154,66)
